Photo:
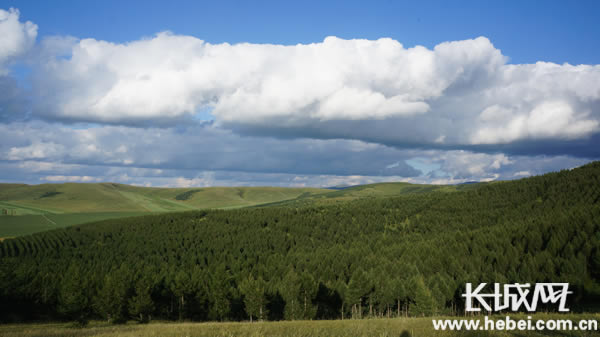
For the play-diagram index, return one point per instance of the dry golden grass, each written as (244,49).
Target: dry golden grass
(398,327)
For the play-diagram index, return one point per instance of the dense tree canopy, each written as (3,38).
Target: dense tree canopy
(408,255)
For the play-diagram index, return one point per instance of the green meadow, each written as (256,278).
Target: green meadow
(28,209)
(110,197)
(370,191)
(364,252)
(13,226)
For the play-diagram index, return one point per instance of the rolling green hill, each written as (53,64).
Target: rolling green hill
(29,209)
(110,197)
(34,208)
(369,191)
(407,255)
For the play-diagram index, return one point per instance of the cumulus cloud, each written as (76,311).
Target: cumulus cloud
(210,156)
(70,179)
(336,112)
(32,166)
(37,150)
(198,147)
(16,37)
(204,181)
(16,40)
(459,166)
(464,164)
(171,76)
(460,93)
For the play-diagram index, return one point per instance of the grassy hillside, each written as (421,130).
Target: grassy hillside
(109,197)
(35,208)
(403,255)
(13,226)
(370,191)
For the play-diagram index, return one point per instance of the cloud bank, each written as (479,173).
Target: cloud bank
(176,110)
(459,93)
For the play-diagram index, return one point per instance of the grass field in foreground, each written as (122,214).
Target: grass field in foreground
(400,327)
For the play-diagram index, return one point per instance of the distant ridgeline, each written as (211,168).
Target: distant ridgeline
(407,255)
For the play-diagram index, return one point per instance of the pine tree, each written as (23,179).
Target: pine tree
(218,293)
(112,297)
(290,290)
(74,295)
(181,287)
(308,291)
(358,288)
(141,304)
(255,300)
(424,302)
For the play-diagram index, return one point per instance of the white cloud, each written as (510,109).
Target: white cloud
(71,179)
(475,166)
(43,166)
(16,38)
(334,112)
(206,180)
(213,157)
(171,76)
(37,150)
(197,148)
(551,119)
(458,93)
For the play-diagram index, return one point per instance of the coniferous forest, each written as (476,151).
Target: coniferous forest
(408,255)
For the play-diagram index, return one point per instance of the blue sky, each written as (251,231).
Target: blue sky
(526,31)
(296,93)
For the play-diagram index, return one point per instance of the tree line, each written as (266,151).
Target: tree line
(383,257)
